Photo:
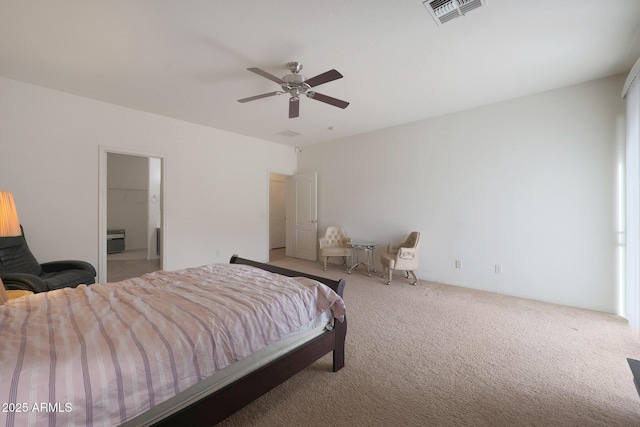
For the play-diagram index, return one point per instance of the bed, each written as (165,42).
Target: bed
(189,347)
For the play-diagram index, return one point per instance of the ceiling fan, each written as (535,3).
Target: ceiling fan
(296,84)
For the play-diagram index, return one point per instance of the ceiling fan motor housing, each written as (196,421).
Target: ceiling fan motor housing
(294,84)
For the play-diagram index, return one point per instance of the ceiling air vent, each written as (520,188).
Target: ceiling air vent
(446,10)
(289,133)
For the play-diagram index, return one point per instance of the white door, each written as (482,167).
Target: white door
(277,209)
(303,190)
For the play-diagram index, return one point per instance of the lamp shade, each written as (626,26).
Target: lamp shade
(9,223)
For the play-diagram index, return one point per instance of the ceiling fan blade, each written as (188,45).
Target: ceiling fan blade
(323,78)
(294,107)
(264,95)
(327,99)
(265,74)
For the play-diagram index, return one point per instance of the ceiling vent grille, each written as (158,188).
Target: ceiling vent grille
(289,133)
(446,10)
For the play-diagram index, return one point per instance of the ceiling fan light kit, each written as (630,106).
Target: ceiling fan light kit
(295,84)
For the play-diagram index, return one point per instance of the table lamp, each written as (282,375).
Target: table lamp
(9,226)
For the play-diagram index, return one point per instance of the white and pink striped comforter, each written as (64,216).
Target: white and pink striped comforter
(101,354)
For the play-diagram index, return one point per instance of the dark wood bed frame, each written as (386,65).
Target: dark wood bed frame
(224,402)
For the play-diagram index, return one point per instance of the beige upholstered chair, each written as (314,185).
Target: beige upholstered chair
(335,243)
(405,256)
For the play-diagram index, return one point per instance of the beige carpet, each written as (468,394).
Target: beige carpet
(437,355)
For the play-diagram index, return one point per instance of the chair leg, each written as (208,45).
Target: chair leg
(390,276)
(415,278)
(325,263)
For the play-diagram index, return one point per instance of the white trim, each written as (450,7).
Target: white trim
(633,74)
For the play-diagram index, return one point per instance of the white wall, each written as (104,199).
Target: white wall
(529,184)
(216,182)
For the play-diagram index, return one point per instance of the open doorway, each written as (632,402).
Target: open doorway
(293,217)
(131,225)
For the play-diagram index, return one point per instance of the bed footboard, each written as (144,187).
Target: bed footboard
(336,285)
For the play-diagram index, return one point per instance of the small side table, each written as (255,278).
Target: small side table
(368,248)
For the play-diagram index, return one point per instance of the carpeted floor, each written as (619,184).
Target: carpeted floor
(438,355)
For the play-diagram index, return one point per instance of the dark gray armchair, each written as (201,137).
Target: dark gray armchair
(20,270)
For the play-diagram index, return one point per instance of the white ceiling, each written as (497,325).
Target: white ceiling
(187,59)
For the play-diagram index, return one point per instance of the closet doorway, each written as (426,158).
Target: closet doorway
(131,226)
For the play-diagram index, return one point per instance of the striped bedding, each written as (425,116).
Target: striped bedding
(101,354)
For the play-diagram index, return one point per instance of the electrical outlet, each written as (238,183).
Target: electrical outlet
(498,269)
(458,263)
